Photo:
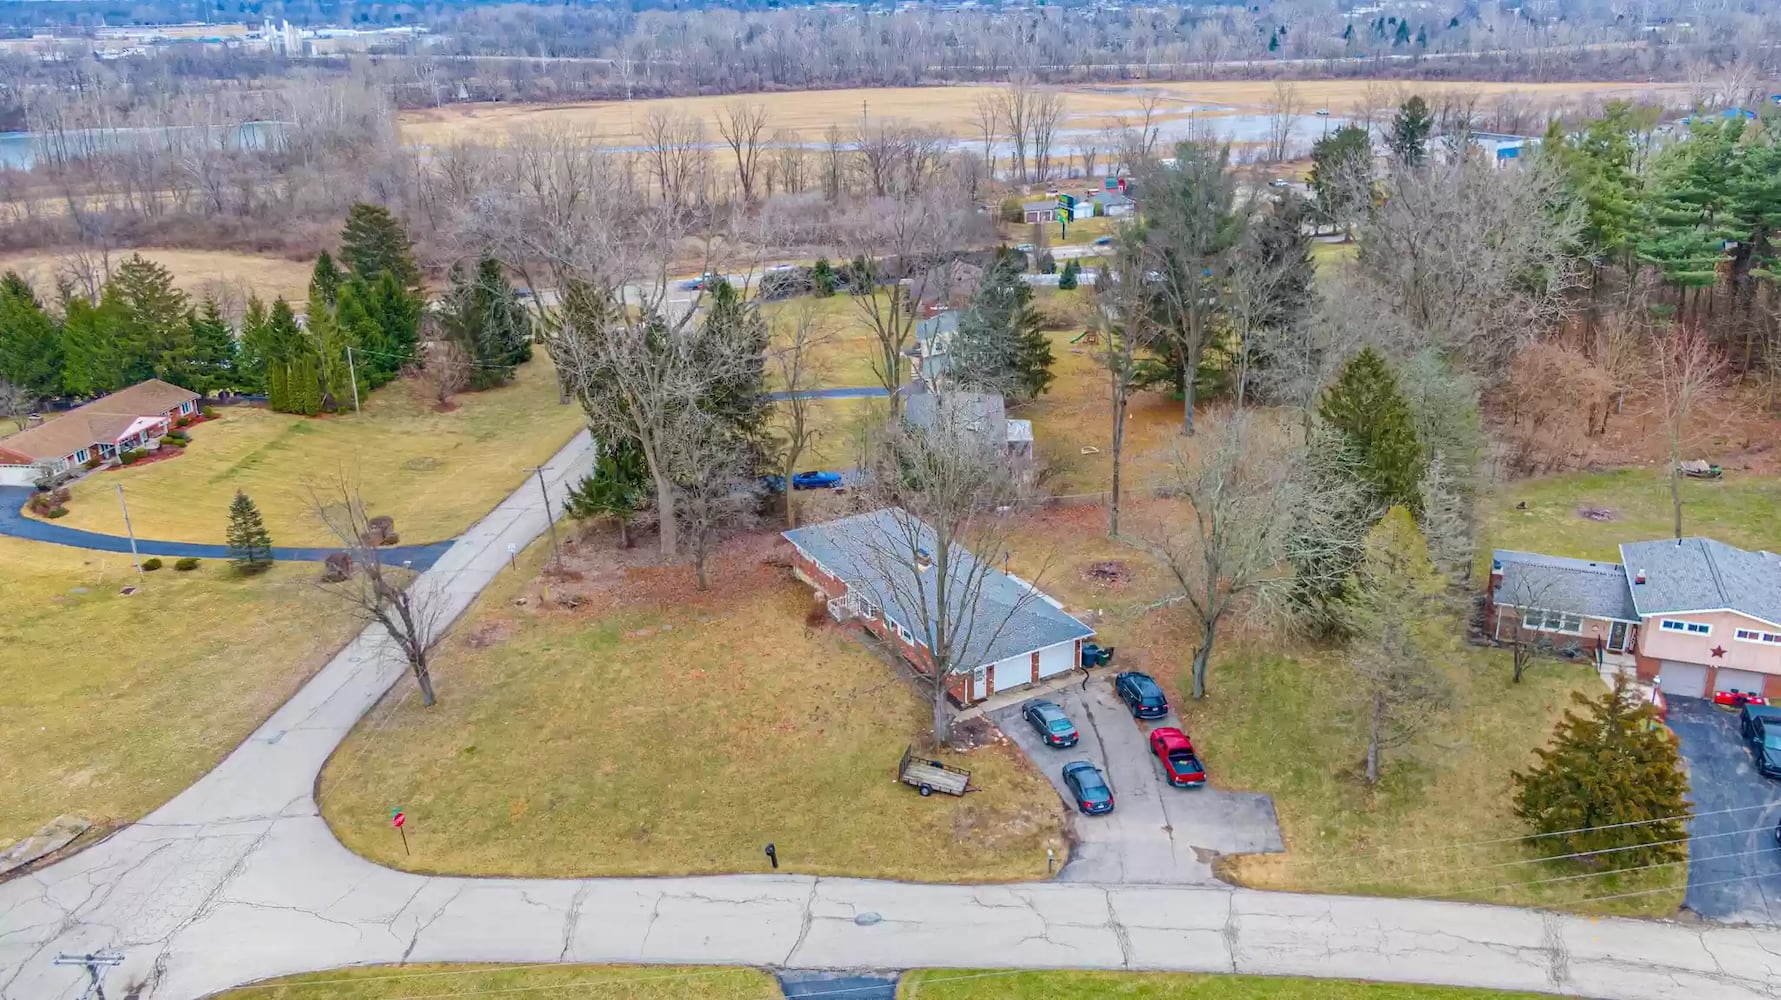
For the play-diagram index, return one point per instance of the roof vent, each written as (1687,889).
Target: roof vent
(1639,577)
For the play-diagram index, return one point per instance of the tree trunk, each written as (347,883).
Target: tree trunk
(1374,725)
(624,532)
(699,567)
(1188,367)
(1676,478)
(1118,448)
(670,531)
(942,712)
(1203,658)
(424,678)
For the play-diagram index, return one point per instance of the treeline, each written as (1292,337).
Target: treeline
(360,329)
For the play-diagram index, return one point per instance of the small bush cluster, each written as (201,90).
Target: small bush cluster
(380,530)
(151,564)
(133,456)
(183,422)
(92,463)
(49,503)
(186,564)
(172,442)
(208,413)
(55,512)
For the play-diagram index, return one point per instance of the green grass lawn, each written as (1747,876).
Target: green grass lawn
(111,704)
(435,473)
(656,730)
(545,982)
(1738,510)
(955,984)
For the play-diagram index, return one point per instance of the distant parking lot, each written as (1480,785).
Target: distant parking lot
(1734,870)
(1156,833)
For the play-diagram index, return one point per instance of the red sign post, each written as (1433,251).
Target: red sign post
(399,819)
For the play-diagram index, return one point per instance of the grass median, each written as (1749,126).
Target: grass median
(541,982)
(951,984)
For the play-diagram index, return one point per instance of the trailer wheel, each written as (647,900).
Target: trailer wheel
(927,790)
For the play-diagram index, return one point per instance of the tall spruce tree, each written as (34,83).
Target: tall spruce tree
(734,327)
(1411,128)
(30,339)
(256,332)
(249,543)
(375,242)
(94,359)
(1342,175)
(154,337)
(484,317)
(330,342)
(326,279)
(1609,786)
(214,354)
(1366,407)
(1686,216)
(1000,346)
(618,489)
(396,310)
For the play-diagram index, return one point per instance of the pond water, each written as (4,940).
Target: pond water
(24,150)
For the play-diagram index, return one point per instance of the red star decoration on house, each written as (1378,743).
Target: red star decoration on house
(1718,652)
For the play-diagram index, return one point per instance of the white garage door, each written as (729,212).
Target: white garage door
(1057,659)
(1747,681)
(1683,680)
(1015,671)
(19,475)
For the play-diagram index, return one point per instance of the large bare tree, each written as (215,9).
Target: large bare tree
(674,148)
(1283,119)
(1127,327)
(743,126)
(17,403)
(1690,369)
(798,365)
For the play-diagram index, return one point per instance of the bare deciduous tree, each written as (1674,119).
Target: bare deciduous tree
(1690,369)
(1045,112)
(715,491)
(798,364)
(674,148)
(17,403)
(1283,119)
(446,372)
(743,125)
(1127,328)
(1521,611)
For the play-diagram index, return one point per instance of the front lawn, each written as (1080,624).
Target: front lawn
(111,704)
(435,473)
(654,730)
(541,982)
(1738,510)
(957,984)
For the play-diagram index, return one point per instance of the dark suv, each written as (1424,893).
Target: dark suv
(1767,748)
(1141,694)
(1751,719)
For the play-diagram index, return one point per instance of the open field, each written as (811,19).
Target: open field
(435,473)
(1274,721)
(541,982)
(964,984)
(228,275)
(656,730)
(951,109)
(100,692)
(1738,510)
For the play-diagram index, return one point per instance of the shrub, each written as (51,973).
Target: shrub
(91,463)
(1047,263)
(183,422)
(133,456)
(56,512)
(179,435)
(207,413)
(336,567)
(172,442)
(186,564)
(1011,210)
(151,564)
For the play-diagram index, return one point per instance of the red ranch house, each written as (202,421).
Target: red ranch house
(129,418)
(877,568)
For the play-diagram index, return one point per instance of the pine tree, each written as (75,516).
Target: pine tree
(1599,165)
(94,358)
(30,340)
(822,277)
(1610,782)
(250,544)
(733,327)
(154,337)
(1400,637)
(256,332)
(1000,346)
(293,381)
(618,488)
(1686,214)
(1366,407)
(375,242)
(1410,130)
(325,279)
(329,342)
(485,318)
(214,350)
(397,312)
(1067,281)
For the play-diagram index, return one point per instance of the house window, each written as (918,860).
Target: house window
(1753,635)
(868,610)
(185,407)
(81,455)
(1695,628)
(903,634)
(1542,620)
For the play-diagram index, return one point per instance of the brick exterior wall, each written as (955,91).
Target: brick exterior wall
(828,586)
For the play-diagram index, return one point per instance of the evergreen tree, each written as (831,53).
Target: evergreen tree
(214,352)
(256,334)
(154,336)
(822,278)
(396,313)
(30,340)
(484,316)
(329,343)
(375,242)
(1067,280)
(1403,34)
(293,378)
(1598,164)
(1000,346)
(94,360)
(1369,411)
(618,488)
(1686,216)
(1610,784)
(1400,637)
(1280,244)
(250,544)
(1342,174)
(325,280)
(1410,130)
(733,327)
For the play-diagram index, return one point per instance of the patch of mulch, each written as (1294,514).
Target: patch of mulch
(1590,513)
(1109,573)
(161,454)
(969,734)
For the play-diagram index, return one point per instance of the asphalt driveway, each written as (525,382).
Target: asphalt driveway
(1734,870)
(1156,833)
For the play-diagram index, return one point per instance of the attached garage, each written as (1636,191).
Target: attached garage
(1748,681)
(1683,680)
(1054,660)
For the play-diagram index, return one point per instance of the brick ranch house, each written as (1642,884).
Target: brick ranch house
(864,568)
(1694,616)
(129,418)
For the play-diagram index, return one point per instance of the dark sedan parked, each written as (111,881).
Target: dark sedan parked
(1053,726)
(1093,796)
(1767,748)
(1141,694)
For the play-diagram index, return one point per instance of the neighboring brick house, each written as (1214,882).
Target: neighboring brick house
(866,567)
(126,419)
(1695,616)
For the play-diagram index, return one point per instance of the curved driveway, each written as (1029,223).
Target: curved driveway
(238,878)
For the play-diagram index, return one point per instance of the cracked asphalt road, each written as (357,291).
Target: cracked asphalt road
(239,879)
(1156,833)
(1734,864)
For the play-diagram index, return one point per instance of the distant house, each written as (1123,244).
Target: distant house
(129,418)
(933,342)
(1499,149)
(1114,204)
(877,569)
(1694,616)
(981,414)
(950,285)
(1039,211)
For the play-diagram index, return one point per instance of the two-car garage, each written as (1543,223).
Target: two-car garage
(1690,680)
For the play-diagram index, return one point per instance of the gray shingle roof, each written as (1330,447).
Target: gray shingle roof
(940,324)
(1700,574)
(980,413)
(1555,583)
(872,554)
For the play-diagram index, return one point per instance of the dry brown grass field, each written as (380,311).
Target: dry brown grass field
(809,113)
(229,275)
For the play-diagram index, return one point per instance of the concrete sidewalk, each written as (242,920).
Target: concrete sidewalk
(239,878)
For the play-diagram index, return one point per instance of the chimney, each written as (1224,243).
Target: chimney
(1639,577)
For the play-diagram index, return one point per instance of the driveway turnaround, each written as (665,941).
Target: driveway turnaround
(15,524)
(1156,833)
(239,879)
(1734,864)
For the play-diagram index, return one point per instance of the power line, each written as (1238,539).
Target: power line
(1672,888)
(1605,872)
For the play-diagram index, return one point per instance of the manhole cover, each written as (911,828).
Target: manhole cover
(867,919)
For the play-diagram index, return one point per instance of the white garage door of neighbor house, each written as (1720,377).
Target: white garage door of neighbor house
(1057,659)
(1015,671)
(1748,681)
(1683,680)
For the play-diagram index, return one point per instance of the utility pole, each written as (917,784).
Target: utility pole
(92,962)
(352,373)
(128,530)
(551,521)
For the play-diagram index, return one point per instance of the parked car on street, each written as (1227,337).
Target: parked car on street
(1093,796)
(1053,726)
(816,480)
(1767,749)
(1103,241)
(1025,247)
(1751,719)
(1176,752)
(706,280)
(1142,695)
